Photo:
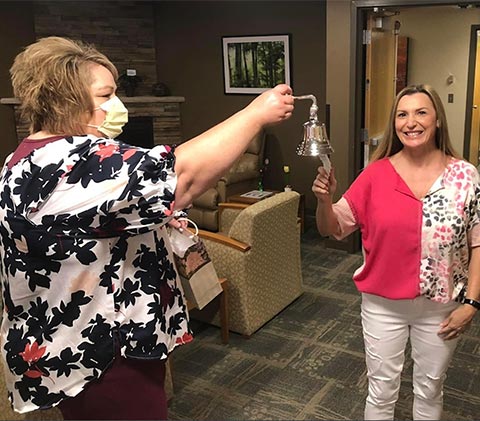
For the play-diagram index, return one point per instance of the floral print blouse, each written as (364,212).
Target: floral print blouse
(85,260)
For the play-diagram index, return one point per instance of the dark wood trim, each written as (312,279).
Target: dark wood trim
(406,3)
(472,56)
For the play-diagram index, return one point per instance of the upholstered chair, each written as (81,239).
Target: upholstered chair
(258,251)
(242,177)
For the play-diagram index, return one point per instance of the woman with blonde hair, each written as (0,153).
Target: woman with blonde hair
(417,207)
(92,305)
(391,143)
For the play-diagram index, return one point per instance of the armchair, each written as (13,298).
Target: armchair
(242,177)
(258,251)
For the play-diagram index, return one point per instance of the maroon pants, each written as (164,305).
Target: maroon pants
(128,390)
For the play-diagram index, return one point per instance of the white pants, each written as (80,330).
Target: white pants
(387,325)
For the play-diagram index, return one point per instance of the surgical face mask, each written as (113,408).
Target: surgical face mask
(115,119)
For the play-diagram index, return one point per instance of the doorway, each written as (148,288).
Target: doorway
(438,54)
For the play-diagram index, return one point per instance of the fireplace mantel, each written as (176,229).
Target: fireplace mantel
(165,113)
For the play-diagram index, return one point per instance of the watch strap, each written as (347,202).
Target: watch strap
(471,302)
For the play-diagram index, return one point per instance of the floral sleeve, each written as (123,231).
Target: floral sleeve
(104,187)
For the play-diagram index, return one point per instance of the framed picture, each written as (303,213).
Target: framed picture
(254,64)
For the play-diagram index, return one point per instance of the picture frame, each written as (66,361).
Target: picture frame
(254,64)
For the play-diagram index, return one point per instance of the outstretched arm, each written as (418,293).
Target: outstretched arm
(200,162)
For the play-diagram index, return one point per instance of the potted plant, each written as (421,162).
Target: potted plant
(129,81)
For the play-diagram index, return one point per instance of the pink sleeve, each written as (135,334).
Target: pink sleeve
(346,221)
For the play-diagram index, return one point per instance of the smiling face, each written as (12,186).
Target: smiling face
(102,88)
(416,121)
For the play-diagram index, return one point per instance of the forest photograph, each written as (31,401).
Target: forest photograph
(255,64)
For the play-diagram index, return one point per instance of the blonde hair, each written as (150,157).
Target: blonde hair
(52,79)
(391,144)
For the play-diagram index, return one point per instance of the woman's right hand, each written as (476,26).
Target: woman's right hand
(324,185)
(198,164)
(272,106)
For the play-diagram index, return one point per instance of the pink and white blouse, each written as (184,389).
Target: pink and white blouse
(413,247)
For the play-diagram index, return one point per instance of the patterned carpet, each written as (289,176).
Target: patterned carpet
(308,362)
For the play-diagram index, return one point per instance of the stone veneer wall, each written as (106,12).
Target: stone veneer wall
(164,111)
(122,30)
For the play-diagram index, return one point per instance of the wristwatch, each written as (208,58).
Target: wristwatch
(473,303)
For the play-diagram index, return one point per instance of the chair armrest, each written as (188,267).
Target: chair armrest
(233,205)
(223,239)
(227,213)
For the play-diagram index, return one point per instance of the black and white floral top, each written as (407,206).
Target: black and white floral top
(84,258)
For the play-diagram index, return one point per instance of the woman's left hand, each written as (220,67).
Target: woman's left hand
(457,322)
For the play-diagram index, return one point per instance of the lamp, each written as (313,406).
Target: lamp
(315,140)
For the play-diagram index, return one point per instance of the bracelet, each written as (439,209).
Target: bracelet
(473,303)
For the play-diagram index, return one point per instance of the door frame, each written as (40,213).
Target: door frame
(472,61)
